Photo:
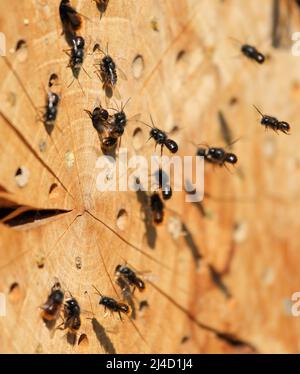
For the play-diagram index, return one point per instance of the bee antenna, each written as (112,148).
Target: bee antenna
(98,292)
(90,301)
(152,120)
(88,112)
(258,110)
(116,104)
(127,101)
(144,123)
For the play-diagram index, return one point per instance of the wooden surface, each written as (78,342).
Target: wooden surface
(250,232)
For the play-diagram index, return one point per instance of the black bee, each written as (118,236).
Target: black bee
(72,319)
(107,72)
(252,53)
(130,277)
(161,138)
(119,120)
(77,53)
(157,208)
(99,117)
(71,20)
(273,123)
(113,305)
(217,156)
(163,183)
(50,114)
(52,307)
(77,56)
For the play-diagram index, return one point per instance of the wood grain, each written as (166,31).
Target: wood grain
(225,284)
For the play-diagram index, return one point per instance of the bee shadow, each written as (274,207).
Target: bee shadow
(71,338)
(192,245)
(102,337)
(49,324)
(151,233)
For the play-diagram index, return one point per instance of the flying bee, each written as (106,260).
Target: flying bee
(273,123)
(52,307)
(130,277)
(217,156)
(107,73)
(113,305)
(71,20)
(72,319)
(161,138)
(252,53)
(157,208)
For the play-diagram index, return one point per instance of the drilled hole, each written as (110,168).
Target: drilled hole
(233,100)
(20,44)
(21,50)
(122,219)
(53,191)
(138,66)
(137,139)
(22,176)
(83,341)
(180,55)
(14,292)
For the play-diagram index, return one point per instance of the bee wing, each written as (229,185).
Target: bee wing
(122,74)
(117,93)
(135,118)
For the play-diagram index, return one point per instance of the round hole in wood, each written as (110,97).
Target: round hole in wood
(22,176)
(137,139)
(122,219)
(14,292)
(138,66)
(180,55)
(52,189)
(83,341)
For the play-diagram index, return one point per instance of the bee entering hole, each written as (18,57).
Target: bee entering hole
(180,55)
(22,176)
(122,219)
(83,341)
(14,292)
(138,66)
(137,140)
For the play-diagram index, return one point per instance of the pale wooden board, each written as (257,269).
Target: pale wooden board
(258,263)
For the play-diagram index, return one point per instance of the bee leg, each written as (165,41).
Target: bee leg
(133,290)
(86,72)
(161,150)
(120,316)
